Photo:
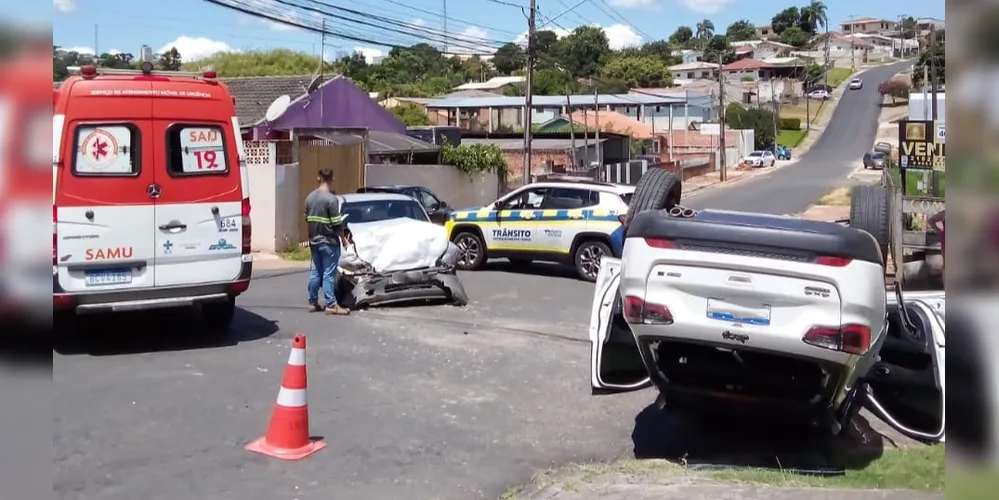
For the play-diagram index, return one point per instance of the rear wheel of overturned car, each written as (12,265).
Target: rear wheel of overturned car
(869,212)
(658,189)
(587,257)
(471,250)
(218,315)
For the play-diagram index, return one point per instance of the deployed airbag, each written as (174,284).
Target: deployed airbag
(395,245)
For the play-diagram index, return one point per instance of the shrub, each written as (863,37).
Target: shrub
(896,89)
(790,124)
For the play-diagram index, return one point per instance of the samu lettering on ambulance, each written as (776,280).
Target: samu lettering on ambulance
(109,253)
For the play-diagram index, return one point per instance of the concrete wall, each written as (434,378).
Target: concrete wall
(450,184)
(274,198)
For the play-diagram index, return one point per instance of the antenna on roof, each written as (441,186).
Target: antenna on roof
(314,84)
(277,108)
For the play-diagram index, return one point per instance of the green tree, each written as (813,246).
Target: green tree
(682,37)
(661,49)
(410,115)
(719,47)
(638,71)
(275,62)
(932,57)
(743,29)
(120,60)
(795,36)
(785,19)
(760,121)
(705,30)
(353,66)
(545,48)
(813,17)
(583,51)
(509,58)
(170,60)
(549,81)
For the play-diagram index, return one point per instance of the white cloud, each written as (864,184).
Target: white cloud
(418,22)
(79,50)
(64,6)
(705,6)
(619,36)
(369,53)
(114,52)
(194,48)
(633,4)
(471,40)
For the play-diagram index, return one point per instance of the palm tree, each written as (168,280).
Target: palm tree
(815,15)
(705,30)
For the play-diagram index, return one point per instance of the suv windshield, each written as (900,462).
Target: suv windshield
(626,198)
(379,210)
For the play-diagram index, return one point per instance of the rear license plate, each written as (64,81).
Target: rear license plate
(108,277)
(727,311)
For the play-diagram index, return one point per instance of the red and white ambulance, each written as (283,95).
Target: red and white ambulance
(150,201)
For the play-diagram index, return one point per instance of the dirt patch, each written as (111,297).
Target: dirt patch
(838,196)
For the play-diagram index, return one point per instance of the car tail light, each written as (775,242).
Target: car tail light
(659,243)
(639,311)
(828,260)
(238,287)
(55,235)
(247,227)
(854,339)
(62,301)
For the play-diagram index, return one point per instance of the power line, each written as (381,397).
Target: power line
(449,18)
(615,15)
(281,17)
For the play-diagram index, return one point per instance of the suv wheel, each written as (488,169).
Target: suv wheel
(588,256)
(218,315)
(471,251)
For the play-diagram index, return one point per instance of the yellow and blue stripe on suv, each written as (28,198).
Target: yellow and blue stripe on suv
(593,222)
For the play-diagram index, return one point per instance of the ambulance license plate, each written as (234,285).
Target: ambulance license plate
(103,277)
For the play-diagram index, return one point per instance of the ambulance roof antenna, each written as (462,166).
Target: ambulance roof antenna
(277,108)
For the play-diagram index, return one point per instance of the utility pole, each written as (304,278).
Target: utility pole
(721,120)
(528,98)
(933,70)
(322,47)
(572,128)
(826,55)
(853,64)
(596,125)
(444,25)
(97,53)
(776,113)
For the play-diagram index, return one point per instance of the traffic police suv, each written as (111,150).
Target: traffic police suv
(570,222)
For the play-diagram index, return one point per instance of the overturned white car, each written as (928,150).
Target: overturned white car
(727,309)
(395,253)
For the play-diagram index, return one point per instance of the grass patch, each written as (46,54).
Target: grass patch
(804,109)
(836,197)
(919,468)
(791,138)
(836,76)
(297,253)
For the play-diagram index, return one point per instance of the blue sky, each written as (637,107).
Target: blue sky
(198,27)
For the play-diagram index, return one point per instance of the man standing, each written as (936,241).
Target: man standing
(325,222)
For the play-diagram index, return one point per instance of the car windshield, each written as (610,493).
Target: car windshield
(379,210)
(626,198)
(756,153)
(878,156)
(856,80)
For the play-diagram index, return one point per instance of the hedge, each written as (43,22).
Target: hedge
(790,123)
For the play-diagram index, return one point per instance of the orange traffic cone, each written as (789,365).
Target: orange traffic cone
(288,433)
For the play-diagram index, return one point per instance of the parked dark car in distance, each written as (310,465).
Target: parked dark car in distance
(436,208)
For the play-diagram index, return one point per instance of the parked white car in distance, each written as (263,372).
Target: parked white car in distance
(818,94)
(856,83)
(760,159)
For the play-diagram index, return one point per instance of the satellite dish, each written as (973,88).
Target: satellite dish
(277,108)
(314,84)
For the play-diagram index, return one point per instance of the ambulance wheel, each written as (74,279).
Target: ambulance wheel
(658,189)
(587,258)
(471,250)
(218,315)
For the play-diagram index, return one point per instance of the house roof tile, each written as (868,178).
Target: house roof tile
(254,94)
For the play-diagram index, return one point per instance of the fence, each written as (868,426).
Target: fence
(630,172)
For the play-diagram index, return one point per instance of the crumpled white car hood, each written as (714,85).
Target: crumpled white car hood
(395,245)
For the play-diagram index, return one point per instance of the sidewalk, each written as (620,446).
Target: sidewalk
(265,261)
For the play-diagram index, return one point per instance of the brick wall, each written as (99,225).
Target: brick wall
(515,159)
(693,168)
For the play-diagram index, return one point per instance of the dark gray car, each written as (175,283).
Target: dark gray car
(875,160)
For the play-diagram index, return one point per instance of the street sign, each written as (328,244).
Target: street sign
(939,157)
(917,144)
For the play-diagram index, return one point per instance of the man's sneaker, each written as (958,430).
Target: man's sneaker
(337,310)
(315,307)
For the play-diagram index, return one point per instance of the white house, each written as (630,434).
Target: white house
(693,70)
(763,49)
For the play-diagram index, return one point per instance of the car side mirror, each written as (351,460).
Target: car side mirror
(442,204)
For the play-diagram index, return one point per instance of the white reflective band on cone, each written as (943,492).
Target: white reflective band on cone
(291,398)
(297,357)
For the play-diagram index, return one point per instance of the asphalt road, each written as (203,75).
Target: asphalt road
(430,402)
(849,134)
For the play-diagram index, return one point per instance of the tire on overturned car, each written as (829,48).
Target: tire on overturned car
(658,189)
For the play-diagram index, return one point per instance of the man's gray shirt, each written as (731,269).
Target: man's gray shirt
(323,217)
